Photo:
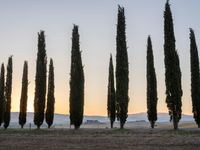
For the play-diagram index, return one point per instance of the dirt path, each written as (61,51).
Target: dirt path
(99,139)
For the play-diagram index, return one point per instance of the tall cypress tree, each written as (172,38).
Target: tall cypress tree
(172,69)
(40,81)
(50,96)
(8,92)
(76,82)
(151,86)
(111,94)
(195,78)
(122,70)
(24,95)
(2,94)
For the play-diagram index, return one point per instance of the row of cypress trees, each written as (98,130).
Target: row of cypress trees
(49,113)
(76,98)
(40,86)
(117,101)
(76,87)
(6,90)
(118,98)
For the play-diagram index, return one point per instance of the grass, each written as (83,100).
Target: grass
(90,139)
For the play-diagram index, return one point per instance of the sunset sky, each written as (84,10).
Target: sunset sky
(20,20)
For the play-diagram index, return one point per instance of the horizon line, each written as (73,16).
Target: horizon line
(106,115)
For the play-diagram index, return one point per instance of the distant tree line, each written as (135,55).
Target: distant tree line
(117,93)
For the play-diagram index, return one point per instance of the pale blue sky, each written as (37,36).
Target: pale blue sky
(20,20)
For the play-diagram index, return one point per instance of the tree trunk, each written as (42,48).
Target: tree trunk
(38,127)
(175,122)
(152,124)
(49,126)
(199,125)
(22,126)
(76,127)
(111,124)
(121,125)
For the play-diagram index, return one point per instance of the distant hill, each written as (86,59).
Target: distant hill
(162,117)
(61,120)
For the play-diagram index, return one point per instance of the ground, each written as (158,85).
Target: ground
(99,139)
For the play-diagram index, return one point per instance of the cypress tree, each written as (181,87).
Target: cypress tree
(122,70)
(50,96)
(24,95)
(40,81)
(195,78)
(8,91)
(111,94)
(76,82)
(172,69)
(2,95)
(151,86)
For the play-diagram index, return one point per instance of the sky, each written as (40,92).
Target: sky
(21,20)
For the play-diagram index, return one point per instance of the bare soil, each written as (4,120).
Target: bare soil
(99,139)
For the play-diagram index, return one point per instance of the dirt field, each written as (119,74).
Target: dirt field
(99,139)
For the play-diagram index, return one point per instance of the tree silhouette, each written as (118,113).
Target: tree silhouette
(172,69)
(195,78)
(2,94)
(122,71)
(50,96)
(40,81)
(76,82)
(8,92)
(151,86)
(24,95)
(111,94)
